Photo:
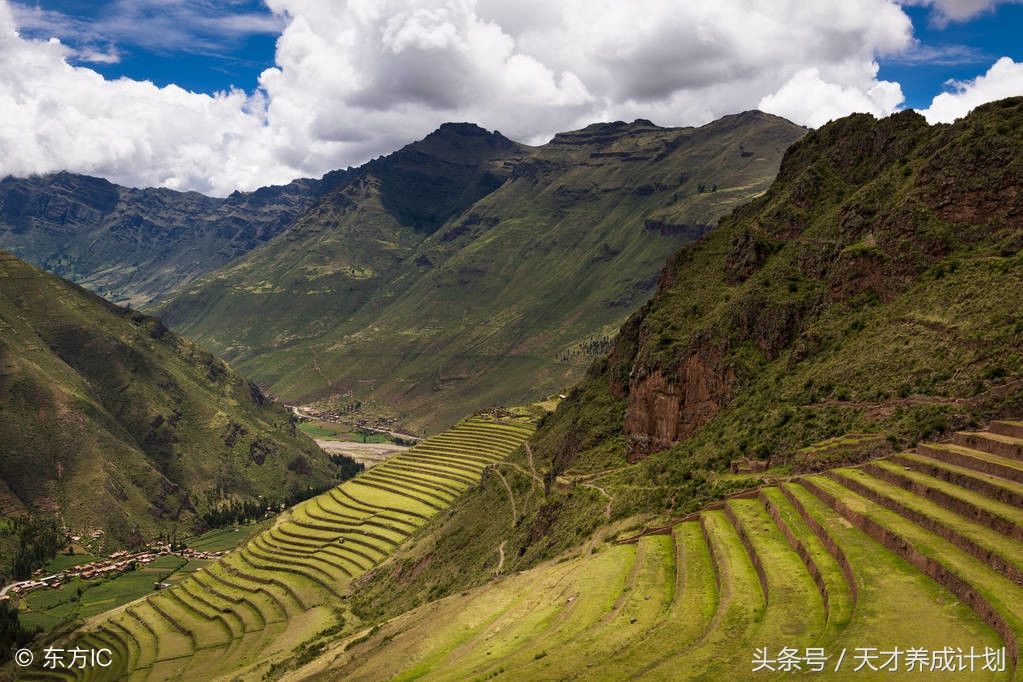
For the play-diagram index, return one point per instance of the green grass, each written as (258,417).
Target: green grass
(224,539)
(319,430)
(65,561)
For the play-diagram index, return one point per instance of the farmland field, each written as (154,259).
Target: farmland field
(87,598)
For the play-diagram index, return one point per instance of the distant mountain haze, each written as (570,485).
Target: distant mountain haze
(462,270)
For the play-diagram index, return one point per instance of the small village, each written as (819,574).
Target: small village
(117,563)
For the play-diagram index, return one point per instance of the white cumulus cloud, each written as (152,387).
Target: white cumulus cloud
(1003,79)
(357,79)
(945,12)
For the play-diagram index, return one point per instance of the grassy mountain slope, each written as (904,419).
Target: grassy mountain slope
(504,294)
(865,302)
(337,257)
(909,552)
(134,245)
(111,421)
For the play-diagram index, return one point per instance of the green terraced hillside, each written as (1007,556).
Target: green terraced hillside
(466,270)
(923,550)
(110,422)
(287,586)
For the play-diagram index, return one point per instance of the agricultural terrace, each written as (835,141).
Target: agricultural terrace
(920,551)
(281,587)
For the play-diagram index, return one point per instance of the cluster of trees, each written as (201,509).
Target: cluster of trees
(12,635)
(591,348)
(234,511)
(32,542)
(348,466)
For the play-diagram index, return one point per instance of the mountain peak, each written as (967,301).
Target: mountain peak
(463,136)
(462,129)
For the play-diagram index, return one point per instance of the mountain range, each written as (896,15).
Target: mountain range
(134,245)
(466,270)
(463,270)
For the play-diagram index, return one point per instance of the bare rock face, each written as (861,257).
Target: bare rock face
(664,408)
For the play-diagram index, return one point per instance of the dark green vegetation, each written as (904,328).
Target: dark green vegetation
(109,421)
(133,245)
(281,595)
(467,270)
(924,550)
(13,634)
(870,299)
(26,544)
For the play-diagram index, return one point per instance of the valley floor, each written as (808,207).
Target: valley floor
(368,454)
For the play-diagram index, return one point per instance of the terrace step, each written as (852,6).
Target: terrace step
(992,596)
(173,640)
(686,618)
(823,568)
(994,487)
(255,564)
(139,660)
(1000,517)
(442,471)
(1007,428)
(640,601)
(978,541)
(213,605)
(211,629)
(795,606)
(416,482)
(977,460)
(432,503)
(991,443)
(271,607)
(243,605)
(144,634)
(723,648)
(471,469)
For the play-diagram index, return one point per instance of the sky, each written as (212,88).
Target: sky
(224,95)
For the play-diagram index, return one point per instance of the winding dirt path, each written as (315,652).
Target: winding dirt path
(316,368)
(500,562)
(610,498)
(529,453)
(511,497)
